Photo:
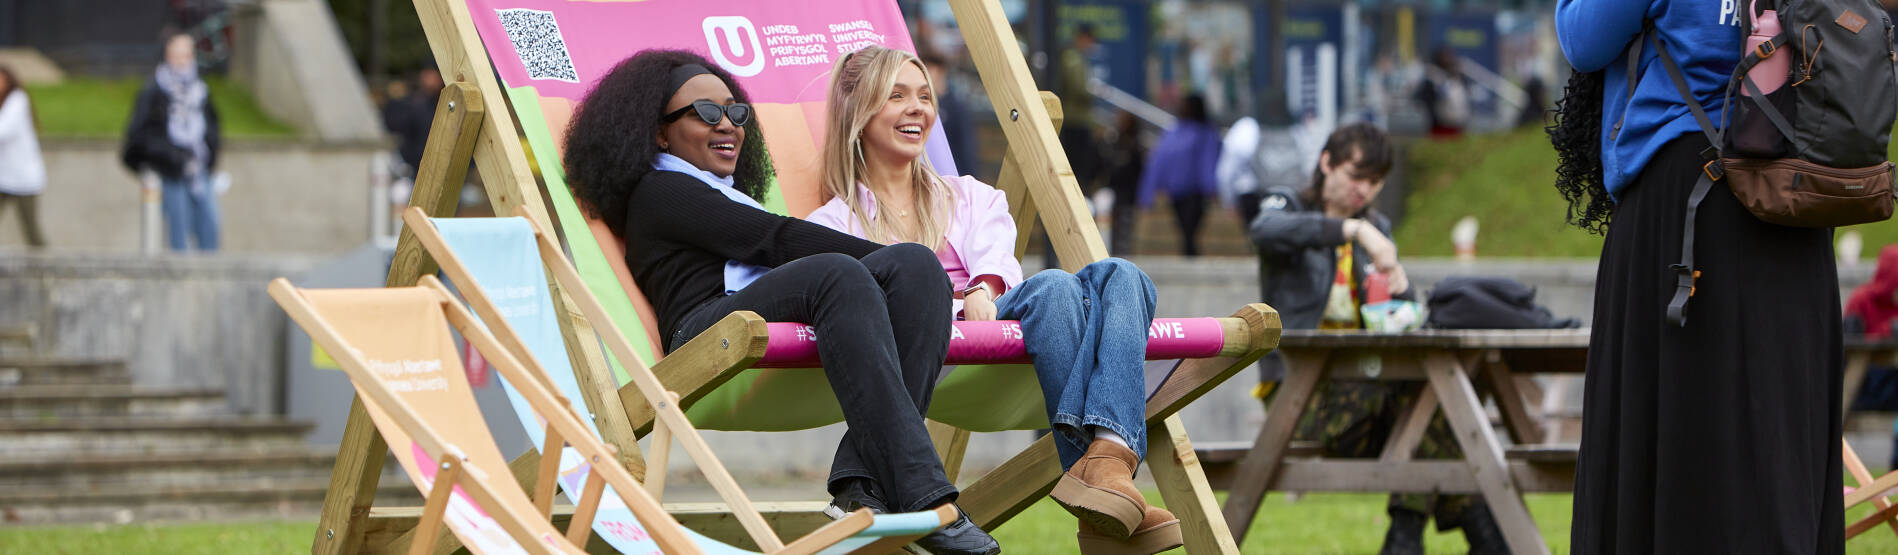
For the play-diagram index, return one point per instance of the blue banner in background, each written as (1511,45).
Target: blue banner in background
(1314,46)
(1121,27)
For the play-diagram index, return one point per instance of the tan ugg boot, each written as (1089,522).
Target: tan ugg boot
(1158,531)
(1099,489)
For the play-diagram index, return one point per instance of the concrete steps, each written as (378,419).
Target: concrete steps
(19,372)
(67,401)
(136,435)
(79,442)
(101,472)
(245,499)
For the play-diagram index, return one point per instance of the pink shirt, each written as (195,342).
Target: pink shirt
(980,240)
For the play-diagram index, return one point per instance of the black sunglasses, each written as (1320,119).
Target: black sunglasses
(712,112)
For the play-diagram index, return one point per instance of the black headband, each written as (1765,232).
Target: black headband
(682,74)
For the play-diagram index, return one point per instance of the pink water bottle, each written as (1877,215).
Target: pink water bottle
(1770,74)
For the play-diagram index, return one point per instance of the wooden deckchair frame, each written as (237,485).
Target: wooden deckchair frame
(563,428)
(1035,173)
(670,417)
(1868,489)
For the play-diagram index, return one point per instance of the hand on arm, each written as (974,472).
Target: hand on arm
(1383,252)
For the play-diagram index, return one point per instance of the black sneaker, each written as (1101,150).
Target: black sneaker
(1406,534)
(961,537)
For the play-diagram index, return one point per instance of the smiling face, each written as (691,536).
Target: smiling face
(1347,188)
(713,148)
(898,129)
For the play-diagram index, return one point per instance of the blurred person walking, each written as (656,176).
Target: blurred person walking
(174,133)
(1126,164)
(1182,164)
(22,171)
(410,116)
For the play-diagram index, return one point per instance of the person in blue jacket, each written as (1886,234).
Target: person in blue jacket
(1721,436)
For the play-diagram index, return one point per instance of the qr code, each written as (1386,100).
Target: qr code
(537,40)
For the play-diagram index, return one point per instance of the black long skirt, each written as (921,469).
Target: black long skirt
(1722,436)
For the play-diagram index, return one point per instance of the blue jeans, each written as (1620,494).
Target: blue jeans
(1087,333)
(190,213)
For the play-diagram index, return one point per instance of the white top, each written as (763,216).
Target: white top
(22,172)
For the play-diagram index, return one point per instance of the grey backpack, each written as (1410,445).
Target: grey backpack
(1810,152)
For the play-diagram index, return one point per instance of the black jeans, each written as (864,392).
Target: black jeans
(883,329)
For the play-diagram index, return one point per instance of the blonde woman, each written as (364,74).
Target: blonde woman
(1087,331)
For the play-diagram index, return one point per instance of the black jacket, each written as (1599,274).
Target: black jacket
(1298,255)
(148,144)
(680,232)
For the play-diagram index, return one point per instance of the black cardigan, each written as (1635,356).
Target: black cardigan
(148,144)
(679,233)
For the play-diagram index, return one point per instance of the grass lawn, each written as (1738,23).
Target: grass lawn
(98,109)
(1507,181)
(1339,523)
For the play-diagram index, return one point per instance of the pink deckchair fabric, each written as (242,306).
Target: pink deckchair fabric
(1000,342)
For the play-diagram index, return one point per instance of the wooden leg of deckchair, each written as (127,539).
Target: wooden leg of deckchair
(352,487)
(1885,515)
(951,444)
(1183,485)
(661,451)
(1863,477)
(582,524)
(544,487)
(458,121)
(437,505)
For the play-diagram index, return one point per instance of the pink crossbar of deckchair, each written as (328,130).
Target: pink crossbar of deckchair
(794,345)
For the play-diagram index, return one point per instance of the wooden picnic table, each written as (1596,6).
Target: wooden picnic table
(1860,353)
(1446,360)
(1452,363)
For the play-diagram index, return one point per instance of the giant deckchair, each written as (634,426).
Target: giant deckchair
(1035,173)
(395,345)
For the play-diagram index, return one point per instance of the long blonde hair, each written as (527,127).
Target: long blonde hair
(859,85)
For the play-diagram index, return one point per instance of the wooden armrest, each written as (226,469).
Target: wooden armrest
(701,365)
(1258,335)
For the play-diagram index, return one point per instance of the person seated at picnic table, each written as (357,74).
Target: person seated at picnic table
(1318,247)
(1870,311)
(664,150)
(1086,331)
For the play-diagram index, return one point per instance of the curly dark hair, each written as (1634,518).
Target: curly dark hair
(612,138)
(1576,135)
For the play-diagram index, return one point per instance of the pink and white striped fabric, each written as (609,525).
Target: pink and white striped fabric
(794,345)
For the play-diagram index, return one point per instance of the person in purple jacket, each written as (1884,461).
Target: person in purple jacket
(1086,331)
(1721,436)
(1182,164)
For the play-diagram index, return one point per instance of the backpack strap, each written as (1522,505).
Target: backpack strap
(1684,272)
(1634,76)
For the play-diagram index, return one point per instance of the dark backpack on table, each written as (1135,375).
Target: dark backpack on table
(1489,303)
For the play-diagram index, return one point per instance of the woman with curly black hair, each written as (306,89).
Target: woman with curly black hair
(1722,435)
(665,151)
